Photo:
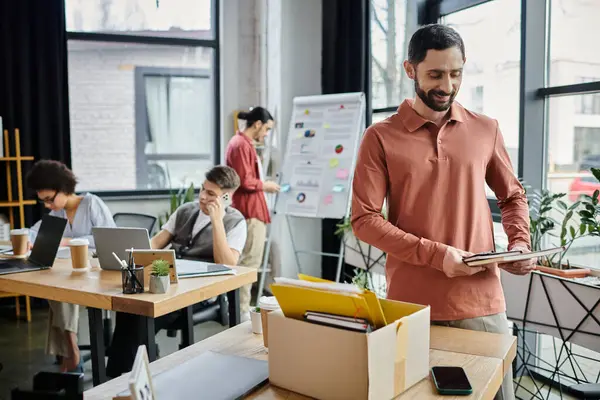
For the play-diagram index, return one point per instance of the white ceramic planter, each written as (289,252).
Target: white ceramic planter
(554,306)
(159,284)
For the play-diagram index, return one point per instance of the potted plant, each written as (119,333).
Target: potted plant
(178,198)
(577,221)
(368,260)
(159,277)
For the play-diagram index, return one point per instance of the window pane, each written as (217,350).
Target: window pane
(492,72)
(574,55)
(378,117)
(142,116)
(169,18)
(390,85)
(574,148)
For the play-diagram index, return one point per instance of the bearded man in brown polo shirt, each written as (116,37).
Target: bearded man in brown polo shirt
(430,161)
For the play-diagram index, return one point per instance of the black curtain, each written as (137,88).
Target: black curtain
(34,84)
(346,68)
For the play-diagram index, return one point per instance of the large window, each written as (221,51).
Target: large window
(169,18)
(142,93)
(390,85)
(573,117)
(491,77)
(573,39)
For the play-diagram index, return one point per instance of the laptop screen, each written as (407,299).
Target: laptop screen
(48,240)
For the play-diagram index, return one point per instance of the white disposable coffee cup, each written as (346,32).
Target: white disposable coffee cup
(266,305)
(19,239)
(79,253)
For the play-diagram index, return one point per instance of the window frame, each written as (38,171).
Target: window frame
(213,44)
(142,122)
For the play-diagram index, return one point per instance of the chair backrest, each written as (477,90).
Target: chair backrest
(133,220)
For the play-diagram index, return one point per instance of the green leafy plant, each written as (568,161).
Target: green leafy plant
(160,267)
(576,221)
(178,198)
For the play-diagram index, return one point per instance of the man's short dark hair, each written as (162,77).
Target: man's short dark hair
(433,37)
(51,175)
(224,176)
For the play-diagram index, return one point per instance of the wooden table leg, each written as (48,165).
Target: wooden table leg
(97,345)
(233,298)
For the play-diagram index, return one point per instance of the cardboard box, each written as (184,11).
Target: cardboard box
(330,363)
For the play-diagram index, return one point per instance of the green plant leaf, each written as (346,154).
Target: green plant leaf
(575,205)
(561,204)
(573,233)
(582,229)
(596,173)
(586,214)
(189,194)
(563,233)
(160,267)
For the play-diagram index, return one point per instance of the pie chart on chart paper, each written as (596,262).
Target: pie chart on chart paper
(339,148)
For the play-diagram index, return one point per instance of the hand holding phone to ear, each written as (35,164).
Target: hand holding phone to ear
(216,210)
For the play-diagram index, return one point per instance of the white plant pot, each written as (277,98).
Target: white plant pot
(534,301)
(159,284)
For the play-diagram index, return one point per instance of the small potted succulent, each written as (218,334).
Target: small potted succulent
(159,277)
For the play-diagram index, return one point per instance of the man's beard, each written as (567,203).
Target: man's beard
(430,101)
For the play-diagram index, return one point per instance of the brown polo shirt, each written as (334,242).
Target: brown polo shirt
(433,179)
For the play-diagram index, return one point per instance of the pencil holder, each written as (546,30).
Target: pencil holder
(133,279)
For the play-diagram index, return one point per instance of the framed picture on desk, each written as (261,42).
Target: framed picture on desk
(140,381)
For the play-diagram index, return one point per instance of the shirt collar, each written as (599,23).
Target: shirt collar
(245,137)
(413,121)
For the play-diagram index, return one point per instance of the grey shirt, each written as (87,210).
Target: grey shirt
(91,212)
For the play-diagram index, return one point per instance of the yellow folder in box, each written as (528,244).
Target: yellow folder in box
(295,301)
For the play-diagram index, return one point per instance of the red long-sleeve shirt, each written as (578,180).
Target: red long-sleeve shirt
(249,198)
(433,180)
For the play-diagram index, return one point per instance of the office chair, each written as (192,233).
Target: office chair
(133,220)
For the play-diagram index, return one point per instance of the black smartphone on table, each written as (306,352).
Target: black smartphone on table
(451,381)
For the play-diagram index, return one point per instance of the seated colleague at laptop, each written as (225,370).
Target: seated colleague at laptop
(204,230)
(54,184)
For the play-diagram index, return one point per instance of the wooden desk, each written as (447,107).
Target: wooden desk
(485,372)
(484,344)
(99,290)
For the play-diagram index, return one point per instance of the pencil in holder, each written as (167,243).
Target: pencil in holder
(133,279)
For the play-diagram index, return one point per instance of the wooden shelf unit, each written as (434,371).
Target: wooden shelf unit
(13,203)
(9,159)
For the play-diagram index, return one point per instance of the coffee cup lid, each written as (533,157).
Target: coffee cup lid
(268,303)
(22,231)
(79,242)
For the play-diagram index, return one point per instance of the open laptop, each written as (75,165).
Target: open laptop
(118,241)
(44,249)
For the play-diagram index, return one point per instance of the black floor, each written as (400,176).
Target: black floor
(22,346)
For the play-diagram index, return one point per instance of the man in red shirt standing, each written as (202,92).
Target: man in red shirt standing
(250,198)
(431,161)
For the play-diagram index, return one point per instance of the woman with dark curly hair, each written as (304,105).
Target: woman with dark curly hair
(55,184)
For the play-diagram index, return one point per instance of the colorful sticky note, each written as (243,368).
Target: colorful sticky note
(342,106)
(338,188)
(300,136)
(306,112)
(285,187)
(326,126)
(327,200)
(309,133)
(342,173)
(334,162)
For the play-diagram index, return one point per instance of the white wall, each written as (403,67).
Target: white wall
(294,69)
